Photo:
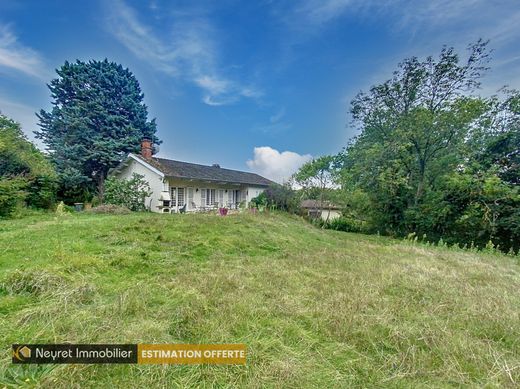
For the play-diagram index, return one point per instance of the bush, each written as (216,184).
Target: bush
(62,209)
(127,193)
(259,201)
(12,195)
(344,224)
(277,196)
(25,173)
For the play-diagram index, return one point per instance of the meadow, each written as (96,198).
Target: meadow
(316,308)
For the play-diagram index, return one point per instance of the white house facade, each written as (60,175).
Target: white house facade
(187,187)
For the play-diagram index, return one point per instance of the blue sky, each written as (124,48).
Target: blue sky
(252,85)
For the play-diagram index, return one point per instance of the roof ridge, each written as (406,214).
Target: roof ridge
(210,166)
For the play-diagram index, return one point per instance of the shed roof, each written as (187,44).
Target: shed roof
(315,204)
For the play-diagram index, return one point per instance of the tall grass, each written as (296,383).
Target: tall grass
(316,308)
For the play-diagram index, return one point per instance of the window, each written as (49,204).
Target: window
(177,195)
(236,196)
(210,197)
(180,197)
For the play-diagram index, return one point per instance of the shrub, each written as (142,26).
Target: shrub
(344,224)
(259,201)
(12,195)
(277,196)
(25,173)
(62,209)
(127,193)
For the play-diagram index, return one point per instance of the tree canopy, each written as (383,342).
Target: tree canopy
(433,158)
(26,175)
(97,117)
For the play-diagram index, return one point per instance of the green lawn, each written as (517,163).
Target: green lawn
(317,309)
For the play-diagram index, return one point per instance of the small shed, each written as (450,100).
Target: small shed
(325,209)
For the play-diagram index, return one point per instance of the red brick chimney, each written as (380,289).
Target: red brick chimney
(146,148)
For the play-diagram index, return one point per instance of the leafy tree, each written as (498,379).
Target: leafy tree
(498,144)
(26,176)
(432,158)
(317,175)
(130,193)
(422,111)
(98,116)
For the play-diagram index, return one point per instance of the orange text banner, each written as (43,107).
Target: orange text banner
(182,354)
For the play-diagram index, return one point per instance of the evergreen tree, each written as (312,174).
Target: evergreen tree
(98,116)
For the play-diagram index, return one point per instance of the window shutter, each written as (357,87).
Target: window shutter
(221,197)
(203,197)
(173,194)
(210,198)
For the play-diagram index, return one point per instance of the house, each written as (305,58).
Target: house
(326,210)
(187,187)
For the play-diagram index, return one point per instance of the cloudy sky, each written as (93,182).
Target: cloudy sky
(252,85)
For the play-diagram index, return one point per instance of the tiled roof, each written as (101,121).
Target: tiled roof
(179,169)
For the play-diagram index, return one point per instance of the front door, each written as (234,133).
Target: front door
(236,198)
(178,197)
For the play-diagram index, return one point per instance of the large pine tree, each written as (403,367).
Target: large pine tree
(98,116)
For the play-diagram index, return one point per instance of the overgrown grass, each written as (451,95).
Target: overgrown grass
(315,308)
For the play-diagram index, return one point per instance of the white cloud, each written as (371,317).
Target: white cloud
(425,26)
(275,165)
(188,51)
(277,116)
(275,125)
(213,85)
(15,56)
(321,11)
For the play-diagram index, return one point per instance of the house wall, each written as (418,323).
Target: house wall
(159,184)
(154,179)
(246,192)
(252,192)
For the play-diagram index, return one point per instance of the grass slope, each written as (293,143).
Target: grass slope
(315,308)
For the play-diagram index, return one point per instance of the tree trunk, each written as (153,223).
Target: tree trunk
(322,192)
(420,184)
(101,187)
